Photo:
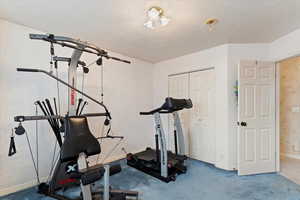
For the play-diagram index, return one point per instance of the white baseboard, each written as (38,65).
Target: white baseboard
(289,155)
(20,187)
(33,183)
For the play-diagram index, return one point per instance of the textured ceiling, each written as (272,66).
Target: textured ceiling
(117,25)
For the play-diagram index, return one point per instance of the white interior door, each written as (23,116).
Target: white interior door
(256,113)
(202,116)
(179,88)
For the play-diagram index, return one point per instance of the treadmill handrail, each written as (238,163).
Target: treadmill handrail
(151,112)
(165,108)
(159,110)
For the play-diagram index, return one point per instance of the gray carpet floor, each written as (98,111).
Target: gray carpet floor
(201,182)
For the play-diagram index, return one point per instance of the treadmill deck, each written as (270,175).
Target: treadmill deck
(146,162)
(150,155)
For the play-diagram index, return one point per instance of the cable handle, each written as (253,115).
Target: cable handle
(12,146)
(27,70)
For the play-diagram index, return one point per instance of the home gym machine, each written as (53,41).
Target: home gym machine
(78,142)
(161,163)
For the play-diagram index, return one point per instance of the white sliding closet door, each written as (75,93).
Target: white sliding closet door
(199,122)
(179,88)
(202,116)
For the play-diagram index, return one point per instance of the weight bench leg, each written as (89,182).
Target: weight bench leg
(106,183)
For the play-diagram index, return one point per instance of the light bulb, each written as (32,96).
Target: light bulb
(164,20)
(153,13)
(149,24)
(156,18)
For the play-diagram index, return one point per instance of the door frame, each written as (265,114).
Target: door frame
(277,105)
(277,113)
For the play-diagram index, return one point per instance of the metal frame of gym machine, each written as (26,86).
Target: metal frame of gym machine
(79,47)
(161,152)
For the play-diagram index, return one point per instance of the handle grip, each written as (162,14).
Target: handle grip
(121,60)
(117,59)
(27,70)
(145,113)
(37,36)
(95,114)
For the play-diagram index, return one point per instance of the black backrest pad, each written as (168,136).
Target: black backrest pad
(78,139)
(172,104)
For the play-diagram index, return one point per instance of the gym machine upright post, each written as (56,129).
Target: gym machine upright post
(79,142)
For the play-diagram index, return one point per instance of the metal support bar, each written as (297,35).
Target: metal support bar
(85,189)
(39,117)
(43,117)
(63,41)
(95,115)
(106,183)
(157,148)
(75,44)
(72,80)
(179,134)
(66,84)
(64,59)
(163,146)
(175,142)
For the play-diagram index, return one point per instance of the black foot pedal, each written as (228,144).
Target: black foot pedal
(92,176)
(43,188)
(115,169)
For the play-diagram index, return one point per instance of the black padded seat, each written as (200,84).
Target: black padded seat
(78,139)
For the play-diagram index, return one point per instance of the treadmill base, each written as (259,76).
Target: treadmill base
(145,161)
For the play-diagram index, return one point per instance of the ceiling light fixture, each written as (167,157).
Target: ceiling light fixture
(156,18)
(211,22)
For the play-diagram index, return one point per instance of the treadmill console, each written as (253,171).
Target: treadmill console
(172,104)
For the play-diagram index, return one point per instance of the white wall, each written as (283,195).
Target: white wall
(214,57)
(128,90)
(285,47)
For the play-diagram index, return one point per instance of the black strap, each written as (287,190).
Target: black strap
(78,106)
(12,146)
(85,103)
(55,130)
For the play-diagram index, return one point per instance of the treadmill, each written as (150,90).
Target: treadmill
(159,162)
